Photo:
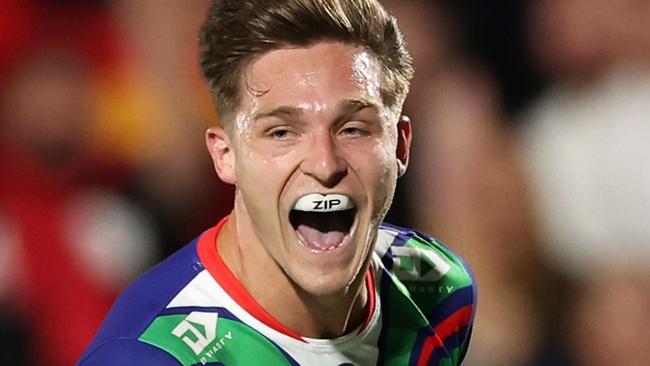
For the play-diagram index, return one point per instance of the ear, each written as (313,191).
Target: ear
(223,156)
(404,138)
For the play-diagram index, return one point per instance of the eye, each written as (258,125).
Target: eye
(354,129)
(351,131)
(280,133)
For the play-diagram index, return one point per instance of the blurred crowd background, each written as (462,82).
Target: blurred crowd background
(531,159)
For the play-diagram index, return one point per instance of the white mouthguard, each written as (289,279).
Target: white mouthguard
(315,202)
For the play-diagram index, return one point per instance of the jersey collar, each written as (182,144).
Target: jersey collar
(209,255)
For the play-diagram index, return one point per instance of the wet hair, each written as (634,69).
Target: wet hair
(236,32)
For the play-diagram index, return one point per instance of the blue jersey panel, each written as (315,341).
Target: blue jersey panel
(145,298)
(128,352)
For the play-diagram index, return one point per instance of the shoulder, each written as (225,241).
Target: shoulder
(139,305)
(413,256)
(436,281)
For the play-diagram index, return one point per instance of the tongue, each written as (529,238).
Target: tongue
(320,240)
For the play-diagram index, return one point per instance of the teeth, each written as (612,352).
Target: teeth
(315,202)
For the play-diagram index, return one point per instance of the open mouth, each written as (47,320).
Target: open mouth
(323,228)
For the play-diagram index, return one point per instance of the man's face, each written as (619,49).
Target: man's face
(315,159)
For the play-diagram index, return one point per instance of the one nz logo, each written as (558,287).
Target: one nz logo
(413,264)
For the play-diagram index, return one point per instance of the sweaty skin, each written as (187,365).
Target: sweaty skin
(319,126)
(367,73)
(307,79)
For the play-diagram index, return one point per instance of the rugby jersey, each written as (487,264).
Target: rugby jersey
(191,310)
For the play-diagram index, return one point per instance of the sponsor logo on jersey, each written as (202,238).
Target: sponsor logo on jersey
(423,288)
(415,264)
(197,330)
(217,346)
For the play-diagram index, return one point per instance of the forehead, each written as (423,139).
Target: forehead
(323,73)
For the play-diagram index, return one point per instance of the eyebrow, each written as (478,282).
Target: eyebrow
(346,106)
(285,111)
(349,106)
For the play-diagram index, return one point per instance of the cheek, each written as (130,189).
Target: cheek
(376,167)
(387,171)
(385,152)
(268,173)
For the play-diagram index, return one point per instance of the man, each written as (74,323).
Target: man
(302,272)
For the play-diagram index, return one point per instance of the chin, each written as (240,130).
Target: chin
(330,273)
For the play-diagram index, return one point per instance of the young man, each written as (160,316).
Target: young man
(302,272)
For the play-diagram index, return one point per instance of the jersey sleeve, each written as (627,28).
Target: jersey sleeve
(127,352)
(452,316)
(440,286)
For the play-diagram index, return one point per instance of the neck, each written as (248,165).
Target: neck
(329,317)
(303,313)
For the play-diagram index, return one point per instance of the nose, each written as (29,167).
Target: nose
(323,161)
